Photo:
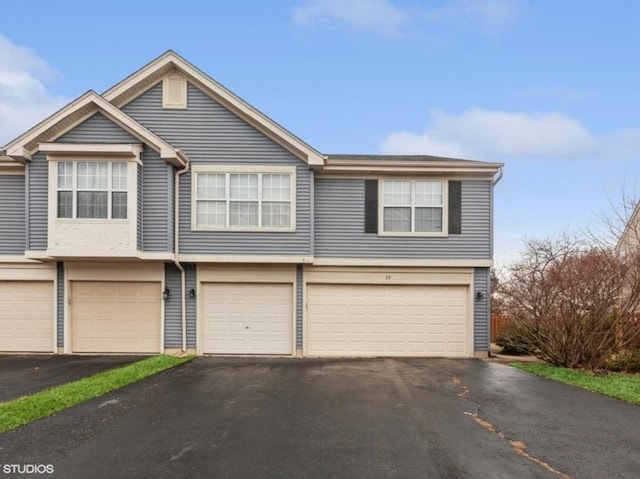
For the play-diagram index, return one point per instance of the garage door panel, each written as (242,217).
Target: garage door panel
(247,318)
(394,320)
(115,317)
(26,316)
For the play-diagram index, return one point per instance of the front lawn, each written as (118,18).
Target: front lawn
(617,385)
(26,409)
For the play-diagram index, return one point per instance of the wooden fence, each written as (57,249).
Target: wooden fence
(497,321)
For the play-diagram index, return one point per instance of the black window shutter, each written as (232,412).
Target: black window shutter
(455,200)
(371,206)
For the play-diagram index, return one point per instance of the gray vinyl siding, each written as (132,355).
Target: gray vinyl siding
(60,304)
(12,220)
(190,270)
(156,200)
(171,201)
(339,226)
(299,285)
(209,134)
(37,198)
(139,230)
(481,309)
(172,315)
(154,183)
(97,129)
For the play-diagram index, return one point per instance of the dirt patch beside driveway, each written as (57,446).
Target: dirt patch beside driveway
(21,375)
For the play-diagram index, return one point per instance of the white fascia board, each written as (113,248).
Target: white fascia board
(9,258)
(455,263)
(111,149)
(411,169)
(240,258)
(156,256)
(37,255)
(166,151)
(19,153)
(170,58)
(17,150)
(147,70)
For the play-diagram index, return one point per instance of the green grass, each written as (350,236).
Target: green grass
(26,409)
(617,385)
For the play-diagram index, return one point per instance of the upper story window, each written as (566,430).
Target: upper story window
(413,207)
(92,190)
(243,199)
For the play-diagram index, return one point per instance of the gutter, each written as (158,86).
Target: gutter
(499,176)
(176,246)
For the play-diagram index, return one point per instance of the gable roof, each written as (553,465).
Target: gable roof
(630,237)
(111,102)
(23,147)
(152,73)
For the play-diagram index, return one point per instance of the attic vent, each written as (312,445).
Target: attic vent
(174,91)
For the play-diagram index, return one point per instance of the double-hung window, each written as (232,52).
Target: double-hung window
(244,200)
(92,189)
(413,206)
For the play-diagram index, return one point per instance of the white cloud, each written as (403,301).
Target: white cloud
(478,133)
(366,15)
(387,18)
(24,99)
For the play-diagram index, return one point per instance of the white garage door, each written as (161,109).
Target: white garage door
(380,320)
(26,316)
(115,317)
(247,318)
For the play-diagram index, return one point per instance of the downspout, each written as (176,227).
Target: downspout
(176,246)
(496,178)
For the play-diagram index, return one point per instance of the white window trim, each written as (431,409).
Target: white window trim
(74,189)
(232,169)
(445,209)
(87,152)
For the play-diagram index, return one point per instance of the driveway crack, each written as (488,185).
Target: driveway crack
(518,447)
(177,456)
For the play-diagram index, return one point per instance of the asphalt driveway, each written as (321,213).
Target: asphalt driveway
(26,374)
(281,418)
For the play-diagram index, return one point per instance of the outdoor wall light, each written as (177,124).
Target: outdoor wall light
(166,293)
(192,293)
(479,295)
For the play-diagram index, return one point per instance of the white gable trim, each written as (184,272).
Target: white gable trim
(23,147)
(126,91)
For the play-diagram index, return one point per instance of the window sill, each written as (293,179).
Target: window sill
(92,220)
(241,229)
(417,235)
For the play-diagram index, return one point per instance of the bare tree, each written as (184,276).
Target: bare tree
(573,304)
(619,227)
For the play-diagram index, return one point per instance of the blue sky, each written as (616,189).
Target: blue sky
(548,87)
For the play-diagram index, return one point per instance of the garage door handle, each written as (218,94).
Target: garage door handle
(246,327)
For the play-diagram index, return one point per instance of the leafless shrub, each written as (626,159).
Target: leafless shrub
(572,304)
